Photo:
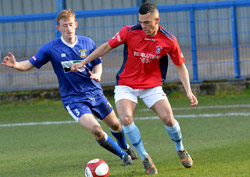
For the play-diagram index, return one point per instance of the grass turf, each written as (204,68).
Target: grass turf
(219,145)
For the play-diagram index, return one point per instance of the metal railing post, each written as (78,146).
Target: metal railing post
(193,45)
(235,42)
(60,5)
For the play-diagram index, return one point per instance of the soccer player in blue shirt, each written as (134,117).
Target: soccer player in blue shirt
(81,92)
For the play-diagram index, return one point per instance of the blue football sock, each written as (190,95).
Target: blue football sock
(133,134)
(120,137)
(175,134)
(108,143)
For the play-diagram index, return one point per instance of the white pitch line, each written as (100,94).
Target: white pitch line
(199,116)
(37,123)
(206,107)
(136,118)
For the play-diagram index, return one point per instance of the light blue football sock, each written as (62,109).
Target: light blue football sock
(120,137)
(175,134)
(134,136)
(108,143)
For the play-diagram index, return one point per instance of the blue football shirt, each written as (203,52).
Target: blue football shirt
(74,86)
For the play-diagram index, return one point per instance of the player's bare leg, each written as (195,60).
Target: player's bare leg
(88,122)
(163,109)
(91,124)
(117,131)
(125,109)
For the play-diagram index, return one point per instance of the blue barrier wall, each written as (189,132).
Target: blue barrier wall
(214,38)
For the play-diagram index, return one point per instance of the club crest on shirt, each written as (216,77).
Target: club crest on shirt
(158,49)
(82,53)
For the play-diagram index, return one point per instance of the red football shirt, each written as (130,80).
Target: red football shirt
(145,58)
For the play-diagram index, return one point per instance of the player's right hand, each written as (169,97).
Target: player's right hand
(76,66)
(9,61)
(193,99)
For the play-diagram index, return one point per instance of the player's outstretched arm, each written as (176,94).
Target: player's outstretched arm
(184,77)
(10,61)
(100,51)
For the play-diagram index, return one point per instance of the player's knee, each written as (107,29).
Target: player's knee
(116,126)
(97,131)
(126,119)
(168,120)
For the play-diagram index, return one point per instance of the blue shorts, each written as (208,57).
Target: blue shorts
(98,106)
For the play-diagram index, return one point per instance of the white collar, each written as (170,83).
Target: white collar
(68,44)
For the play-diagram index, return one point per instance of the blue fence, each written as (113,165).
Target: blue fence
(214,38)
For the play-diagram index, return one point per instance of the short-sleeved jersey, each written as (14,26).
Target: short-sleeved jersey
(74,86)
(145,58)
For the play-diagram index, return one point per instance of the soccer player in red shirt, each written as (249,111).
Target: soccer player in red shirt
(143,71)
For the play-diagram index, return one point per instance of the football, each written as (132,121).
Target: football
(97,168)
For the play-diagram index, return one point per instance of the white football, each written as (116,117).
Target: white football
(97,168)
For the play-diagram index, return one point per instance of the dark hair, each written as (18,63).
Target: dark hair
(147,8)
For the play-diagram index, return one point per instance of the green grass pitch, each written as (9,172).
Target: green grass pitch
(216,134)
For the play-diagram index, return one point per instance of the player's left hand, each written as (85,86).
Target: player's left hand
(95,77)
(193,99)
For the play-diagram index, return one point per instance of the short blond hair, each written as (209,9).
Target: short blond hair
(65,14)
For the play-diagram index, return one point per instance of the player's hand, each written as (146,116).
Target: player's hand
(76,66)
(193,99)
(9,61)
(95,77)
